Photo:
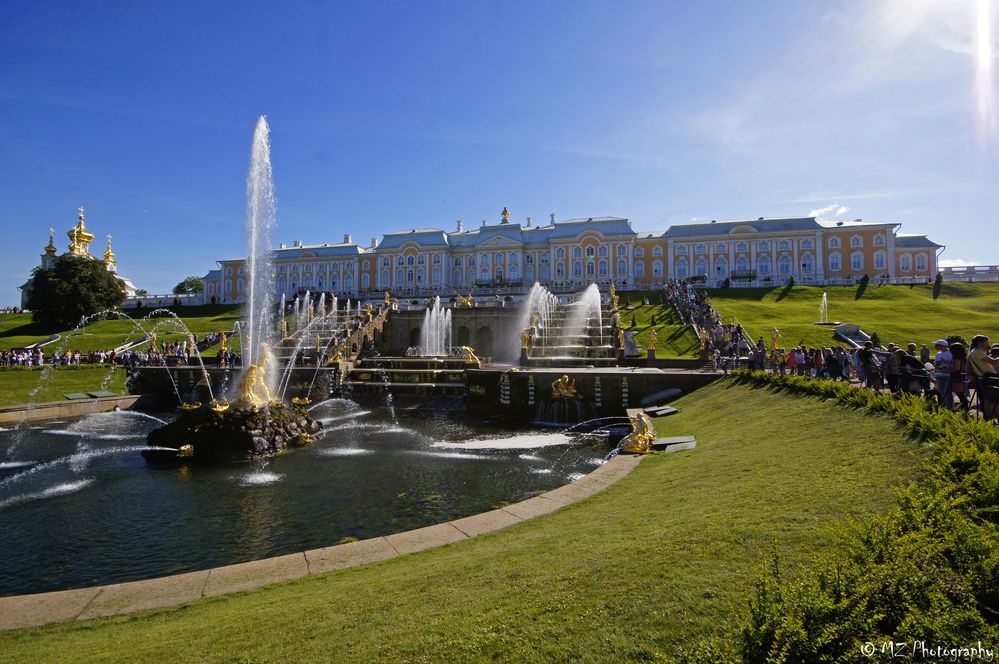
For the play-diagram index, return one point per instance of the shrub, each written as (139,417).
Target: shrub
(928,570)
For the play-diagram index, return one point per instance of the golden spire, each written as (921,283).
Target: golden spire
(506,215)
(50,247)
(79,237)
(109,258)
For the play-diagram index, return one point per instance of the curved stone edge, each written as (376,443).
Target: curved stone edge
(22,611)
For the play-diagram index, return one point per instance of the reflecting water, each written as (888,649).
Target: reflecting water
(80,506)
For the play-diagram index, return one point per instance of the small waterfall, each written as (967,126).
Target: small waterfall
(538,309)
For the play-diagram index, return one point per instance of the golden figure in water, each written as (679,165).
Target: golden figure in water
(643,433)
(470,357)
(565,388)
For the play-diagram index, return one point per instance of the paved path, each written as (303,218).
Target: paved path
(122,598)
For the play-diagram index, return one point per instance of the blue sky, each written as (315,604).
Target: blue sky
(392,115)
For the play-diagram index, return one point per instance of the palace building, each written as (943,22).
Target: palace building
(79,244)
(566,254)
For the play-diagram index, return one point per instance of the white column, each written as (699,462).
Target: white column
(820,262)
(669,259)
(795,268)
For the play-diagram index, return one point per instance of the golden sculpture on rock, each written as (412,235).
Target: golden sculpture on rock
(565,388)
(253,388)
(642,435)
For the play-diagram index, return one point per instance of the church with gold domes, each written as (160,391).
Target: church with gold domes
(79,244)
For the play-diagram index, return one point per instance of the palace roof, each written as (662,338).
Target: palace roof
(914,242)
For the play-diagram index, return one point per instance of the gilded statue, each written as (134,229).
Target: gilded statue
(653,340)
(465,300)
(252,383)
(643,433)
(620,338)
(525,338)
(470,357)
(223,340)
(388,299)
(775,339)
(565,388)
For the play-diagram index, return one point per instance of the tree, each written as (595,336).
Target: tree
(74,287)
(189,285)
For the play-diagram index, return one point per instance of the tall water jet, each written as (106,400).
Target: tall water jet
(824,309)
(260,218)
(536,312)
(435,335)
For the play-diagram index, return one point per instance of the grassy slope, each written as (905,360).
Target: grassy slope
(655,561)
(16,330)
(16,385)
(673,339)
(897,313)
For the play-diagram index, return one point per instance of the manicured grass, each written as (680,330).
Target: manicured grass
(17,330)
(657,561)
(673,339)
(898,314)
(16,385)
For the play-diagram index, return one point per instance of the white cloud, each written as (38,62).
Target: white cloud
(833,210)
(957,262)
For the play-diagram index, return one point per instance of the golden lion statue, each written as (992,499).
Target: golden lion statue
(470,357)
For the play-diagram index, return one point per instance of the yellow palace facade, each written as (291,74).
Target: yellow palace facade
(507,257)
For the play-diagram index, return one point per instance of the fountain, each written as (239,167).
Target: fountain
(824,312)
(435,335)
(258,423)
(566,335)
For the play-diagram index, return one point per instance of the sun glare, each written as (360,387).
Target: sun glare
(985,90)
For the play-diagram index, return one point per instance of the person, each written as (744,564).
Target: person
(959,373)
(941,373)
(872,368)
(985,368)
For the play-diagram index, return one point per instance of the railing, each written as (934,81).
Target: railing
(353,343)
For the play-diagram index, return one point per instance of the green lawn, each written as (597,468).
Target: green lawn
(16,384)
(657,561)
(898,314)
(672,338)
(17,330)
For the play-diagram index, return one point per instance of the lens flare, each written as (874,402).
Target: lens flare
(985,89)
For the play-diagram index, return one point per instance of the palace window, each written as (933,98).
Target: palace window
(834,243)
(410,275)
(365,281)
(742,247)
(856,241)
(589,269)
(470,262)
(921,262)
(681,268)
(742,265)
(721,248)
(603,268)
(437,259)
(835,262)
(603,251)
(590,252)
(857,260)
(657,268)
(680,250)
(529,259)
(576,252)
(700,248)
(457,261)
(657,251)
(701,267)
(906,263)
(763,245)
(385,278)
(639,269)
(879,240)
(560,252)
(763,265)
(784,264)
(639,252)
(879,260)
(421,259)
(400,260)
(784,245)
(721,267)
(622,250)
(807,264)
(622,267)
(806,244)
(577,269)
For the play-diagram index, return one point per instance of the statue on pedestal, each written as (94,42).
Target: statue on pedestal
(642,435)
